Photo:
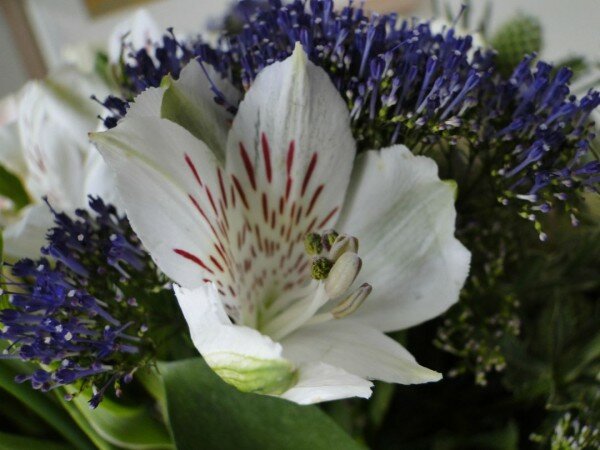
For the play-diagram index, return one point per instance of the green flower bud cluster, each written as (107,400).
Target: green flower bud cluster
(519,37)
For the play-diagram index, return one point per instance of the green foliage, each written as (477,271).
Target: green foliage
(222,417)
(570,434)
(11,187)
(41,405)
(12,442)
(128,426)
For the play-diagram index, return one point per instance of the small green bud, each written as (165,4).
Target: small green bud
(519,37)
(313,244)
(320,268)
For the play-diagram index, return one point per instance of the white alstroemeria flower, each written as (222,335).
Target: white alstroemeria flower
(44,141)
(225,212)
(44,138)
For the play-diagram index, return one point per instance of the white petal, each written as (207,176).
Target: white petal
(138,31)
(289,153)
(9,109)
(165,177)
(24,238)
(404,218)
(65,97)
(319,382)
(11,152)
(358,349)
(241,356)
(190,102)
(55,116)
(99,180)
(147,104)
(291,140)
(53,155)
(212,331)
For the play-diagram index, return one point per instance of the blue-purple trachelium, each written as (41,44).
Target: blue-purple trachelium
(75,311)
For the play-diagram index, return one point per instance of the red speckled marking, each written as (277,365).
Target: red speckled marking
(328,218)
(309,171)
(193,258)
(240,190)
(222,186)
(267,156)
(192,167)
(248,165)
(313,200)
(290,158)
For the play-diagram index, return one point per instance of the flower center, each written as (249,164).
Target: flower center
(335,265)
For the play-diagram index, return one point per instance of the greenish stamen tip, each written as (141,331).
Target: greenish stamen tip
(320,268)
(330,237)
(313,244)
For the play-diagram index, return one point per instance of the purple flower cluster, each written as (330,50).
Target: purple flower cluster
(545,136)
(406,83)
(148,70)
(75,313)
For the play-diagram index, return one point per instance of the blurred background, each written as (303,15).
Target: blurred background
(35,35)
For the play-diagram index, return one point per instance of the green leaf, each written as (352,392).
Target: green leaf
(207,413)
(11,187)
(131,427)
(383,394)
(41,404)
(13,441)
(99,442)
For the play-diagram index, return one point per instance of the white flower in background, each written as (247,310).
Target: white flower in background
(138,31)
(9,147)
(44,142)
(225,212)
(44,139)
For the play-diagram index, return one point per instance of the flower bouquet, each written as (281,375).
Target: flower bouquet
(269,218)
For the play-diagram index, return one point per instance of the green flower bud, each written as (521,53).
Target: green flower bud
(519,37)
